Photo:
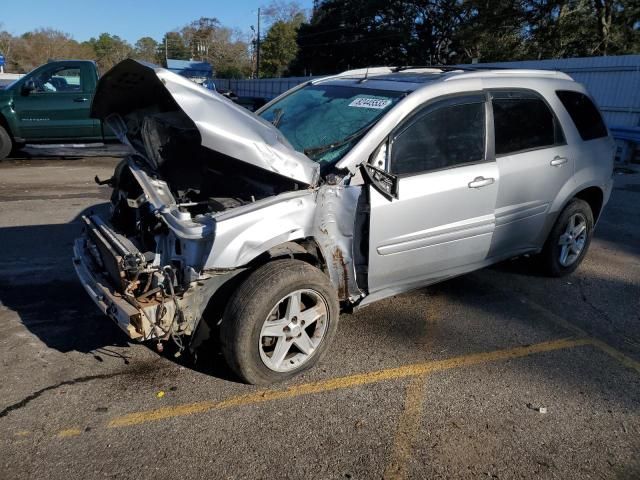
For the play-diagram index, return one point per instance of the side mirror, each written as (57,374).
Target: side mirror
(28,87)
(386,183)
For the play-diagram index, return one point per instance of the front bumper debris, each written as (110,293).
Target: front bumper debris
(109,301)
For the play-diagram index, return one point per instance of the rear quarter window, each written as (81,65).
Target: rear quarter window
(584,114)
(523,121)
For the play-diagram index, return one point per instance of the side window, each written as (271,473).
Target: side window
(523,121)
(60,79)
(583,113)
(444,135)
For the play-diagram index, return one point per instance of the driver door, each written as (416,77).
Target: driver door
(442,218)
(58,107)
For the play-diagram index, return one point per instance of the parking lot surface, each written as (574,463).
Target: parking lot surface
(497,374)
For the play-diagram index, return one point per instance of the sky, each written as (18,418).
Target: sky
(129,19)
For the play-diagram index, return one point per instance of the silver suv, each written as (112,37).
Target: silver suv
(258,229)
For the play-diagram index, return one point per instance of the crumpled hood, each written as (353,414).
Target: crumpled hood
(224,126)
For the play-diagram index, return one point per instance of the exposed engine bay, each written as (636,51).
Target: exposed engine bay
(201,180)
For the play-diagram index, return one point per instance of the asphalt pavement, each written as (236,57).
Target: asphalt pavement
(497,374)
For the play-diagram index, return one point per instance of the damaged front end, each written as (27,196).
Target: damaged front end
(209,191)
(146,299)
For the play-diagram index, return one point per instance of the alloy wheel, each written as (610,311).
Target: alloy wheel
(293,330)
(573,239)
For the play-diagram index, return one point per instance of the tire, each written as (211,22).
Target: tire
(6,145)
(262,304)
(579,212)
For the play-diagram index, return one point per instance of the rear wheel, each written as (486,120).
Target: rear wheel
(6,145)
(279,322)
(569,239)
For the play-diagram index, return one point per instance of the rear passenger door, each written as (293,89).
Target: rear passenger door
(534,163)
(442,220)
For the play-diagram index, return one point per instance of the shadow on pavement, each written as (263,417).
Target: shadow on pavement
(37,281)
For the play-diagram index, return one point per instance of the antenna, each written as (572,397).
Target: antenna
(366,76)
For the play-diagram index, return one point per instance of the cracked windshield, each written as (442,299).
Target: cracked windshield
(325,121)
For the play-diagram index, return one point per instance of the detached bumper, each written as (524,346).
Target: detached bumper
(110,302)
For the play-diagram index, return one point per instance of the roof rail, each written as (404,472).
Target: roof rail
(358,72)
(443,68)
(364,72)
(471,70)
(512,72)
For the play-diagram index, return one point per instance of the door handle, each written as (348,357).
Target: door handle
(80,99)
(480,182)
(557,161)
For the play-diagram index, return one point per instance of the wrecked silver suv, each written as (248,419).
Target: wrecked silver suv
(260,228)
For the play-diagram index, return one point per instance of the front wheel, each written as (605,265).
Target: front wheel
(569,239)
(6,145)
(279,322)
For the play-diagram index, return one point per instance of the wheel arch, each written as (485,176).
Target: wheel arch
(304,249)
(594,196)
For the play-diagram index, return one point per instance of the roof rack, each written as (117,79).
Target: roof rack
(444,68)
(509,72)
(471,70)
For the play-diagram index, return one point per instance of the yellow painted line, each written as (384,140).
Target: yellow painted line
(617,354)
(70,432)
(349,381)
(23,433)
(605,347)
(407,431)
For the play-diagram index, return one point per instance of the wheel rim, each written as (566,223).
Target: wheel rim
(293,330)
(573,239)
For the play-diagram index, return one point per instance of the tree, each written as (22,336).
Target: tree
(41,45)
(7,42)
(346,34)
(146,49)
(173,46)
(282,11)
(109,50)
(571,28)
(492,31)
(223,47)
(280,46)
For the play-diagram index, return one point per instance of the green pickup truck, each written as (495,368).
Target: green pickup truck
(51,104)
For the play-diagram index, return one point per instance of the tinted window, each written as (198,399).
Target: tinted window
(584,114)
(60,79)
(523,121)
(442,137)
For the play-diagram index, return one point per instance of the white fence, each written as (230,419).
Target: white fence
(7,78)
(264,88)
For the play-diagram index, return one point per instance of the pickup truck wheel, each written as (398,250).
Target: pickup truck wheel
(6,145)
(569,239)
(279,322)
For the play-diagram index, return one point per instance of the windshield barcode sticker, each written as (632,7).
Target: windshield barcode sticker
(377,103)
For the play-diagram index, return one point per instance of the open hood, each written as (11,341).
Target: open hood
(132,88)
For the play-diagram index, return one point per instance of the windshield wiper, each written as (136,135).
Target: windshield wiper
(315,151)
(278,114)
